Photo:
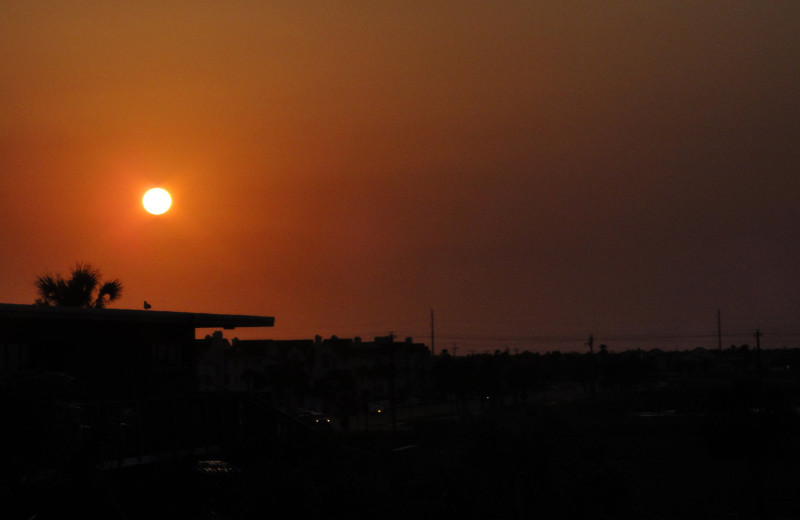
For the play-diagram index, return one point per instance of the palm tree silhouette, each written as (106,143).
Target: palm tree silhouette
(78,290)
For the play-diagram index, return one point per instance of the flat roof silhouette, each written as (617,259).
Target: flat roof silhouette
(194,319)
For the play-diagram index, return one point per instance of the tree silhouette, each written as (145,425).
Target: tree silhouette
(82,289)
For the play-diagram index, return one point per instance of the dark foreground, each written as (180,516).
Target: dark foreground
(723,450)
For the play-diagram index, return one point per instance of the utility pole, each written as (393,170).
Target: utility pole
(758,350)
(719,331)
(592,365)
(392,371)
(433,343)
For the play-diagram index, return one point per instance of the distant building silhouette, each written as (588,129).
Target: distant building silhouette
(301,373)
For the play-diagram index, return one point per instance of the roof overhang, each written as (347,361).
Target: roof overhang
(190,319)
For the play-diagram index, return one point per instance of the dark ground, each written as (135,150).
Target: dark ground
(727,449)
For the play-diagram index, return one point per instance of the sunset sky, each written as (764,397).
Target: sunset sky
(533,171)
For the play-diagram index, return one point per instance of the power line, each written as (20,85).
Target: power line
(581,338)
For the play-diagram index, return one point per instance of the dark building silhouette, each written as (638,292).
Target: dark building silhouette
(110,353)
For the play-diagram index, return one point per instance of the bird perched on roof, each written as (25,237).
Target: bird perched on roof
(146,305)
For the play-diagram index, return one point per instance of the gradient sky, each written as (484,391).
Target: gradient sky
(532,171)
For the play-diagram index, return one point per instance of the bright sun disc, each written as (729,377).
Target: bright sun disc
(157,201)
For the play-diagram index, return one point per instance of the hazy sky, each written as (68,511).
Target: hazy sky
(526,169)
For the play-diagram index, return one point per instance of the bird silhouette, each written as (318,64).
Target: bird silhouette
(146,305)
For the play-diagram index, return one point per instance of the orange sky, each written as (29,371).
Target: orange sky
(525,169)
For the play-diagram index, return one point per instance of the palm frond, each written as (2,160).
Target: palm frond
(82,284)
(109,292)
(49,288)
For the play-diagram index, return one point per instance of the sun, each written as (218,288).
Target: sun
(157,201)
